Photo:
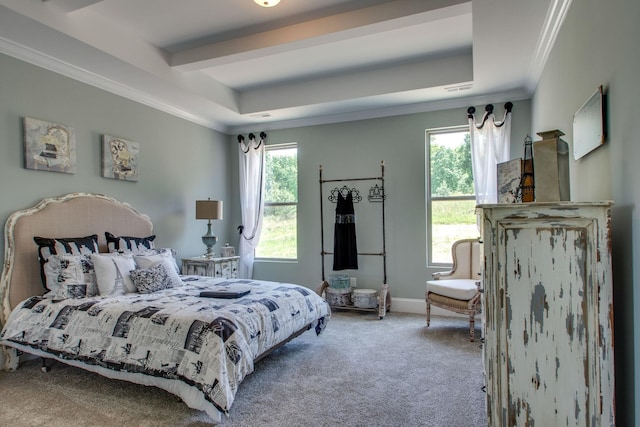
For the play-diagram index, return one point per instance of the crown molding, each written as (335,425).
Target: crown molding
(50,63)
(556,15)
(66,69)
(401,110)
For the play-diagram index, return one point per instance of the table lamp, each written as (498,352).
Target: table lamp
(209,209)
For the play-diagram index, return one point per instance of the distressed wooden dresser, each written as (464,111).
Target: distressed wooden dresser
(548,314)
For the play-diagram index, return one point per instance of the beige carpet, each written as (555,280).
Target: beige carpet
(360,372)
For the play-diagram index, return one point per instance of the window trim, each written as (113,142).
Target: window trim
(428,198)
(276,147)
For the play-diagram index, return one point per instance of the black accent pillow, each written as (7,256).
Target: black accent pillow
(129,243)
(48,246)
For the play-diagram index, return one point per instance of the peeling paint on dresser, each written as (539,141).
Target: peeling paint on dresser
(548,314)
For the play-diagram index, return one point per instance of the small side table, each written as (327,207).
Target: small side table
(226,268)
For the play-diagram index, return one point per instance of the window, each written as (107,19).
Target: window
(279,236)
(450,193)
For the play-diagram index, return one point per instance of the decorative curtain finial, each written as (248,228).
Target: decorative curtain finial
(470,112)
(488,111)
(508,106)
(252,141)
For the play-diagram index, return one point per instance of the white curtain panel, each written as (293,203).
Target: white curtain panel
(490,145)
(251,156)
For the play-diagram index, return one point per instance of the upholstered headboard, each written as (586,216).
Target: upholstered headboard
(72,215)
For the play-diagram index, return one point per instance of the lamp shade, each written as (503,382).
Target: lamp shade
(208,209)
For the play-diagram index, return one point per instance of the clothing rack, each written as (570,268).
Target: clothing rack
(376,195)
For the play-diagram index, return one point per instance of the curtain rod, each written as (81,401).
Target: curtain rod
(252,137)
(488,110)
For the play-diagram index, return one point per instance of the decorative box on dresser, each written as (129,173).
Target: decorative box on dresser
(548,314)
(214,267)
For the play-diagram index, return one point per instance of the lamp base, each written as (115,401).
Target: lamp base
(209,241)
(209,254)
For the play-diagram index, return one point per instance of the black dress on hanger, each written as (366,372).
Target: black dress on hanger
(345,250)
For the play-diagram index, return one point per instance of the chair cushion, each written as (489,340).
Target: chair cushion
(463,289)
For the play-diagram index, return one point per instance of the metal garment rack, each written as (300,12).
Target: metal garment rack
(376,195)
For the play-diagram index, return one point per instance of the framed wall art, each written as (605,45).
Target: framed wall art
(588,125)
(49,146)
(120,158)
(509,177)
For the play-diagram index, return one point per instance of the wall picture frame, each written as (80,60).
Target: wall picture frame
(49,146)
(120,158)
(589,125)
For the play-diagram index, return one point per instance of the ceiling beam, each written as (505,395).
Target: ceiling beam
(362,22)
(420,75)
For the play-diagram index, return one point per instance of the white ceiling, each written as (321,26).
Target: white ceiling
(233,66)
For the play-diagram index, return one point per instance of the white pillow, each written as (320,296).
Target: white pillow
(113,273)
(145,262)
(166,252)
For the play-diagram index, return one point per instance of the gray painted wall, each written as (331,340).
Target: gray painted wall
(597,45)
(179,161)
(182,162)
(355,149)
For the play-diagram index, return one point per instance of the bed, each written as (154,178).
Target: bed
(151,327)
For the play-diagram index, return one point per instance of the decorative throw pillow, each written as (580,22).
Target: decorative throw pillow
(77,278)
(113,273)
(61,246)
(165,257)
(152,279)
(129,243)
(71,276)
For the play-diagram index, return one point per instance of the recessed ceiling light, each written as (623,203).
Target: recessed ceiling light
(267,3)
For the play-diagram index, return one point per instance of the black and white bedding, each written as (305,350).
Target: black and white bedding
(197,348)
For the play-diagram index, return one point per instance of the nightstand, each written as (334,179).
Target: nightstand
(213,267)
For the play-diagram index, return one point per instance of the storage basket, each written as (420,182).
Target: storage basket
(338,297)
(365,298)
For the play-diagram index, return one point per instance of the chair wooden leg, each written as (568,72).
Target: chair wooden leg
(472,327)
(428,314)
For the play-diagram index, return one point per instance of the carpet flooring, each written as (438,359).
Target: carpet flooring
(361,371)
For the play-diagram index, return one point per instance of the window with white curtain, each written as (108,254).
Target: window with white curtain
(450,194)
(279,238)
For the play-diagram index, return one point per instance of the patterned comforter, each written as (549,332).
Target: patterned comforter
(208,344)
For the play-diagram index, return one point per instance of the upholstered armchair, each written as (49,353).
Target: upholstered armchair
(458,290)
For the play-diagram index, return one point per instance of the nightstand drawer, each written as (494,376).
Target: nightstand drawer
(213,267)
